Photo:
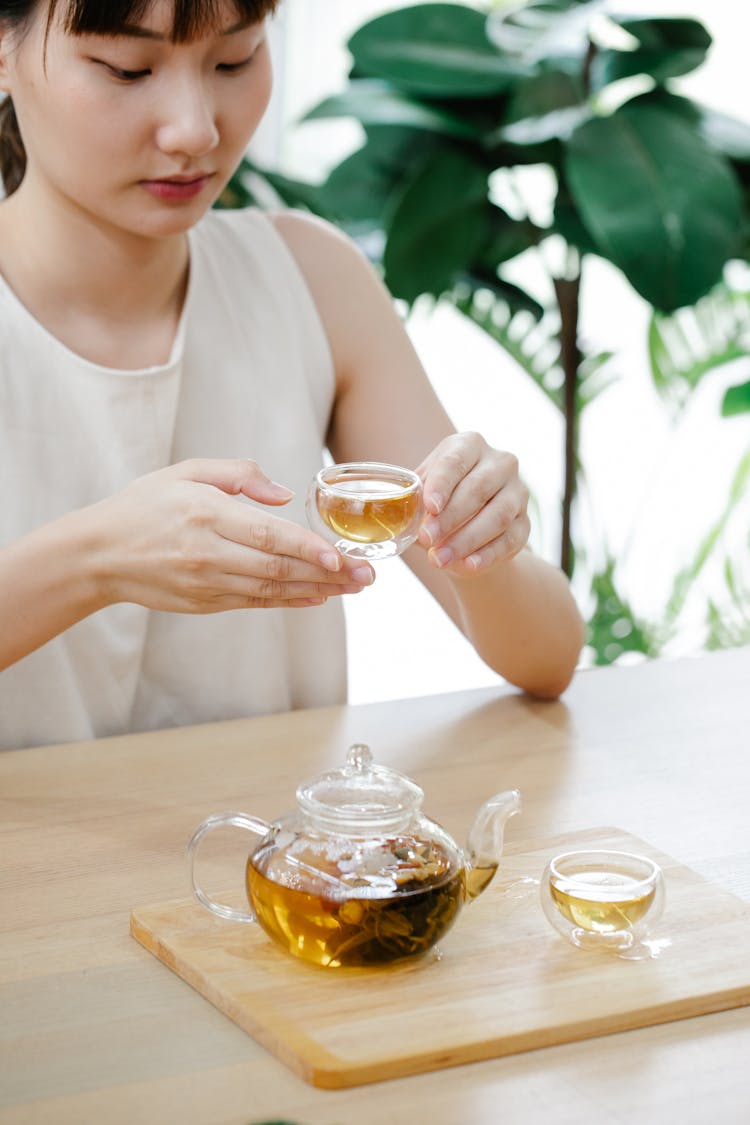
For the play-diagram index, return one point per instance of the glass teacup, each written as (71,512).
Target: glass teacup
(367,509)
(603,900)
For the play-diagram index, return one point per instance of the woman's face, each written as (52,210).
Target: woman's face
(135,131)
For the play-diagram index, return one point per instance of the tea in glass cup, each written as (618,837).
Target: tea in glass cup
(601,899)
(367,509)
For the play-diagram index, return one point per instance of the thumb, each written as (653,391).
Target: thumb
(236,477)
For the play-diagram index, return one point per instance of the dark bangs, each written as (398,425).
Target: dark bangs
(192,18)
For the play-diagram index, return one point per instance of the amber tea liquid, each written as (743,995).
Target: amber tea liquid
(477,878)
(608,902)
(368,510)
(371,930)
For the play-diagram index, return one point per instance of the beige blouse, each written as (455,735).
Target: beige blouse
(250,376)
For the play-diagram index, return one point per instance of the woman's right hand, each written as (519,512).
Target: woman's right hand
(179,540)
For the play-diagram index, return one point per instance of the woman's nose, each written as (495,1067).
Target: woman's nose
(188,121)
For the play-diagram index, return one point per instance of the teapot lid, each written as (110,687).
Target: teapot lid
(360,798)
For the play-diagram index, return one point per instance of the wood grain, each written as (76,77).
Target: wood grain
(94,1029)
(506,982)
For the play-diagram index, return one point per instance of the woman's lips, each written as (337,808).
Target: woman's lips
(177,188)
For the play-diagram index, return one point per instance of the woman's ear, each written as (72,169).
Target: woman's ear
(8,43)
(4,40)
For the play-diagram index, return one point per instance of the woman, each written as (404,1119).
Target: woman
(151,346)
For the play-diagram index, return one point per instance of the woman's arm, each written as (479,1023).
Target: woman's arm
(516,609)
(46,585)
(175,540)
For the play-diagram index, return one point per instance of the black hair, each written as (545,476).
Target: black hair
(104,17)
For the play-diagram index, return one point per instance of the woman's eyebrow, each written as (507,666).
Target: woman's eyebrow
(134,31)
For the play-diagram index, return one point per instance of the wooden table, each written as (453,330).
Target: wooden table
(94,1029)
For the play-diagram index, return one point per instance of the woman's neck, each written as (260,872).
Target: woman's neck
(109,295)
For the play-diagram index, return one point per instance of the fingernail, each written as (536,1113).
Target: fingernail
(363,575)
(281,489)
(434,503)
(443,556)
(474,562)
(330,560)
(430,530)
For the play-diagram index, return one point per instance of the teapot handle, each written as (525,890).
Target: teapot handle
(237,820)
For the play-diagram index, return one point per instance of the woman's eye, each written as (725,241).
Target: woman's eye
(129,75)
(123,75)
(228,68)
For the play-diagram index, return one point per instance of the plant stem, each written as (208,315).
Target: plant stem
(567,292)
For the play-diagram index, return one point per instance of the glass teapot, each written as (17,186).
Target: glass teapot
(358,875)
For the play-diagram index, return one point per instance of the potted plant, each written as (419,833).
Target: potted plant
(453,101)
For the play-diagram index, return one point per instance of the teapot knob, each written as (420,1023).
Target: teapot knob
(359,758)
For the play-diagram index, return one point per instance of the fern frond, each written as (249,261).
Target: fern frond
(685,345)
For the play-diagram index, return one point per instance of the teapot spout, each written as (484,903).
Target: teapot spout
(485,846)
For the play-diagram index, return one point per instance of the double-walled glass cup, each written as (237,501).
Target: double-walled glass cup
(366,509)
(603,900)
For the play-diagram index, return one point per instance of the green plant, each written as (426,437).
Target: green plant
(456,102)
(688,344)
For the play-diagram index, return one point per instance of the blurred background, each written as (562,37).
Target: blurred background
(655,481)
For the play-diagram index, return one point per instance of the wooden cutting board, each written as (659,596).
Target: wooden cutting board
(506,982)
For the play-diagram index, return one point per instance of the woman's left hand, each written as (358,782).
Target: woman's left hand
(475,505)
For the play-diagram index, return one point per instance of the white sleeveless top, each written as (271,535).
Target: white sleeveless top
(250,376)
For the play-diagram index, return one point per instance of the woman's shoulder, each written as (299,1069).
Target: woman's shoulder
(304,234)
(251,228)
(308,234)
(332,264)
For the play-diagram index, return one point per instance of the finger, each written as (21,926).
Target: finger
(482,529)
(233,601)
(272,590)
(247,563)
(489,523)
(272,536)
(358,570)
(236,477)
(453,460)
(469,498)
(501,549)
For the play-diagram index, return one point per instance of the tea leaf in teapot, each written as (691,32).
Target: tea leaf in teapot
(404,895)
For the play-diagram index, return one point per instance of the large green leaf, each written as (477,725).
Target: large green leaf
(722,133)
(436,50)
(728,135)
(558,124)
(660,32)
(544,30)
(361,187)
(374,102)
(567,222)
(438,225)
(657,200)
(505,238)
(550,104)
(667,48)
(542,93)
